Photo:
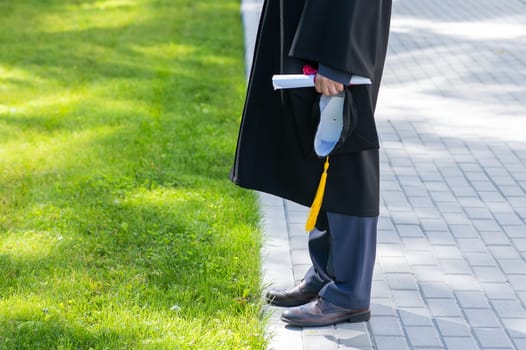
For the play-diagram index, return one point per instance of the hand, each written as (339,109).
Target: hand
(327,86)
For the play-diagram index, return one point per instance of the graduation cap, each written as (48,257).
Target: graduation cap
(332,131)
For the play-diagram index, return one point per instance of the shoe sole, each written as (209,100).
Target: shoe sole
(354,318)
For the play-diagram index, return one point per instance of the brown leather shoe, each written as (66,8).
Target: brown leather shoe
(299,295)
(322,313)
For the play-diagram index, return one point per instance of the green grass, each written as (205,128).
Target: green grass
(118,226)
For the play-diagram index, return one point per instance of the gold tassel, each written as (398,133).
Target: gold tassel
(318,199)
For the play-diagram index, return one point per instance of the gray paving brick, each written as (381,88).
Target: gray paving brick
(409,231)
(384,223)
(401,281)
(494,238)
(434,224)
(421,202)
(416,244)
(453,327)
(384,325)
(300,257)
(489,274)
(512,266)
(520,244)
(508,219)
(456,219)
(407,298)
(446,252)
(394,265)
(460,343)
(390,236)
(316,342)
(486,225)
(518,282)
(298,242)
(509,309)
(520,343)
(378,273)
(504,252)
(440,197)
(471,245)
(471,202)
(463,282)
(455,266)
(444,307)
(415,191)
(498,291)
(382,307)
(463,231)
(436,185)
(516,327)
(426,213)
(415,317)
(449,207)
(492,338)
(353,335)
(499,207)
(391,343)
(403,217)
(297,230)
(361,342)
(423,336)
(517,202)
(483,186)
(481,317)
(435,290)
(426,273)
(472,299)
(515,231)
(380,289)
(421,258)
(319,331)
(491,196)
(390,250)
(478,213)
(480,259)
(440,238)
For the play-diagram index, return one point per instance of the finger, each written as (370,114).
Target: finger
(333,88)
(336,88)
(318,83)
(327,90)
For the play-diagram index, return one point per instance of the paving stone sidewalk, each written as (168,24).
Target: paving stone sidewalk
(451,262)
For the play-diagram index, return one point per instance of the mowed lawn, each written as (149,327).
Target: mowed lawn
(119,228)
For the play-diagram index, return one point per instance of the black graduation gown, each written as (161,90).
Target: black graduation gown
(275,145)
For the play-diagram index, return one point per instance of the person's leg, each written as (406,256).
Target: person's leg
(319,251)
(350,264)
(351,260)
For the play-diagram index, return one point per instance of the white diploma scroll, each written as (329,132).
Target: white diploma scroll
(291,81)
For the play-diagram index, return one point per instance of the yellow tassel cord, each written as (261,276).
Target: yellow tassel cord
(318,199)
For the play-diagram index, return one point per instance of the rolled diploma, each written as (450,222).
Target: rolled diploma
(291,81)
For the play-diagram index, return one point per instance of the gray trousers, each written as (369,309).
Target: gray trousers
(342,249)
